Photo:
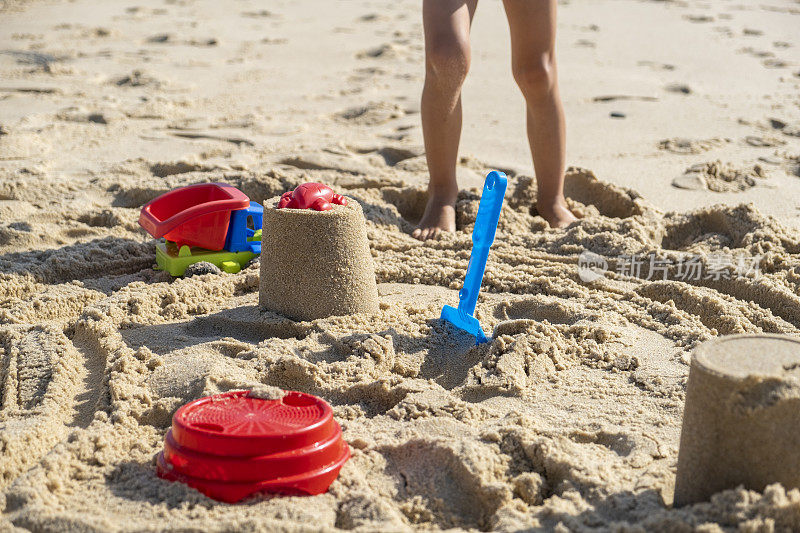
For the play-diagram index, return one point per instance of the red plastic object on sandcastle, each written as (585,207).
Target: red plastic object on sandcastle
(316,196)
(197,215)
(233,445)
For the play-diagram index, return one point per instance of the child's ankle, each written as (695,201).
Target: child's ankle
(445,192)
(551,202)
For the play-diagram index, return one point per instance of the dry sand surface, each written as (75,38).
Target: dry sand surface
(568,420)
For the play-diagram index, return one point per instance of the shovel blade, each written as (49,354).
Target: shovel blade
(464,322)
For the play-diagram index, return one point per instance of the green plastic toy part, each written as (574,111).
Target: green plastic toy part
(175,261)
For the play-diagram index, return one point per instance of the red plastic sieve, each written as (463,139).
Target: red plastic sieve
(308,484)
(256,468)
(235,424)
(232,445)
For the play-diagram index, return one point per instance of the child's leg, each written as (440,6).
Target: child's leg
(447,24)
(533,62)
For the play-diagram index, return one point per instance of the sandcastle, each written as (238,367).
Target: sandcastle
(741,423)
(316,264)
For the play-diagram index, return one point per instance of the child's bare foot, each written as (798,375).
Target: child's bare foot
(556,213)
(439,216)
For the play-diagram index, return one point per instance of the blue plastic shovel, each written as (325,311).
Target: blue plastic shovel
(494,190)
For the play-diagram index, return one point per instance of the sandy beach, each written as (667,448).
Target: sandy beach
(683,140)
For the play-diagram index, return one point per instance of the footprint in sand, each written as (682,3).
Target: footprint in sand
(366,73)
(724,30)
(680,145)
(768,58)
(40,61)
(372,114)
(617,97)
(765,141)
(82,114)
(161,38)
(680,88)
(776,63)
(48,388)
(341,162)
(138,78)
(771,160)
(263,13)
(206,41)
(385,51)
(268,40)
(719,177)
(655,65)
(409,158)
(749,50)
(372,17)
(164,169)
(787,128)
(698,19)
(169,38)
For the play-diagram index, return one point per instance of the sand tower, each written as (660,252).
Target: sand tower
(741,423)
(316,264)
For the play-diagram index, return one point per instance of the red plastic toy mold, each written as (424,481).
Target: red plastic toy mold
(232,445)
(316,196)
(197,215)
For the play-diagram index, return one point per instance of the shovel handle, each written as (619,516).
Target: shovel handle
(494,190)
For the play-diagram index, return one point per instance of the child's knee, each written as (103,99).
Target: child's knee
(448,60)
(536,76)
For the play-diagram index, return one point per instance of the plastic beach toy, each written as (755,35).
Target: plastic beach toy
(197,215)
(232,445)
(212,222)
(316,196)
(494,190)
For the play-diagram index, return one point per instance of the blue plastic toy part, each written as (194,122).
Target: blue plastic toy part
(238,232)
(494,190)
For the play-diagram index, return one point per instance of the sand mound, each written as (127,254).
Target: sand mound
(571,415)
